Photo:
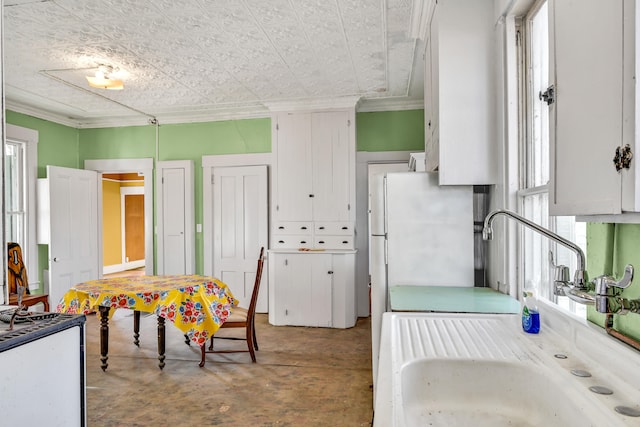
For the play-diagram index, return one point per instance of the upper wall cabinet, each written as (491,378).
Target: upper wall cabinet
(314,179)
(459,92)
(593,159)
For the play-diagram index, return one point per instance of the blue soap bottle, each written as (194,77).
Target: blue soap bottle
(530,314)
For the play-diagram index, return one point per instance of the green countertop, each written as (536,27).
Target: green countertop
(451,299)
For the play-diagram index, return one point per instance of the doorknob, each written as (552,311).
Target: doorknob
(55,259)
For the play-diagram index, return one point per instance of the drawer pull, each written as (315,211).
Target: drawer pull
(321,228)
(346,242)
(345,228)
(303,241)
(303,228)
(280,241)
(321,242)
(281,228)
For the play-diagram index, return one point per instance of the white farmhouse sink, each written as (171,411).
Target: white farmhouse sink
(482,370)
(484,393)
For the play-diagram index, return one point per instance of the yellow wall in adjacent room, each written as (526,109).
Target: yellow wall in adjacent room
(132,184)
(111,223)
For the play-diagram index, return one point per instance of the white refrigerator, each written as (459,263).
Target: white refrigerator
(421,234)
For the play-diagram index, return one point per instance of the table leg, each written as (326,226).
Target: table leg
(161,341)
(104,336)
(136,327)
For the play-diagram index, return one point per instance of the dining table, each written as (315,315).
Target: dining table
(196,305)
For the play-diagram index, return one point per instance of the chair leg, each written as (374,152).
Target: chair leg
(202,353)
(255,341)
(211,344)
(250,343)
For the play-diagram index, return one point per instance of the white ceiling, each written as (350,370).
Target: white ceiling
(196,60)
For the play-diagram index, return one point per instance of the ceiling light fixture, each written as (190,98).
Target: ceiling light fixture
(103,79)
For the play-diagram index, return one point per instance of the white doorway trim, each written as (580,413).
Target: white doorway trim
(208,163)
(145,167)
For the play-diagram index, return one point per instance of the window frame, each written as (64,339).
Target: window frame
(527,185)
(29,138)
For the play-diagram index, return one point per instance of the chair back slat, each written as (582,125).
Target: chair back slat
(17,273)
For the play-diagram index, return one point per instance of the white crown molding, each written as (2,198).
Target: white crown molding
(222,114)
(344,102)
(389,104)
(40,114)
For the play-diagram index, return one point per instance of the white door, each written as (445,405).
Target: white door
(175,218)
(73,248)
(240,228)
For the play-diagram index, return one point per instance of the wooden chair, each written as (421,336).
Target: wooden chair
(241,318)
(17,277)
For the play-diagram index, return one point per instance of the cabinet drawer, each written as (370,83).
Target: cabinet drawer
(293,227)
(291,242)
(333,242)
(334,228)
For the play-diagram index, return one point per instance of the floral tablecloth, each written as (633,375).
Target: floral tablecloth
(197,305)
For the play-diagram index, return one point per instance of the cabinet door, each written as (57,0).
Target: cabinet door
(432,152)
(302,289)
(291,286)
(462,75)
(430,161)
(320,312)
(330,165)
(587,112)
(344,291)
(293,176)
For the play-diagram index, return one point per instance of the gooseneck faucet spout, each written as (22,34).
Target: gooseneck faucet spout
(580,279)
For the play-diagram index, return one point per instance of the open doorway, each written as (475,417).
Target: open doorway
(123,231)
(143,167)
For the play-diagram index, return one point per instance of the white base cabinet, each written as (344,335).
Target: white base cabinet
(312,288)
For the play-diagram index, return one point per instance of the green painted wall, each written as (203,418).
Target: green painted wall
(390,130)
(610,247)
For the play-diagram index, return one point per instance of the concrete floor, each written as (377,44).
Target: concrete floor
(303,377)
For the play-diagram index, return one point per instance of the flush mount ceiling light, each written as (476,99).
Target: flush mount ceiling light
(103,79)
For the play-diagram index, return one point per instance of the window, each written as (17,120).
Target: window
(21,152)
(14,192)
(536,272)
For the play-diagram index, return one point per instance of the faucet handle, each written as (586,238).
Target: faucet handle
(604,282)
(561,273)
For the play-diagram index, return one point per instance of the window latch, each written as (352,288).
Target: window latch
(548,96)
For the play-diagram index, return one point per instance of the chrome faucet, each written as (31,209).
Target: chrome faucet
(576,290)
(605,297)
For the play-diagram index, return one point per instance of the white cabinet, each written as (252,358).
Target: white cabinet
(312,289)
(314,179)
(459,93)
(594,112)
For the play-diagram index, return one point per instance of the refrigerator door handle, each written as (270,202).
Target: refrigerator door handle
(384,204)
(386,252)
